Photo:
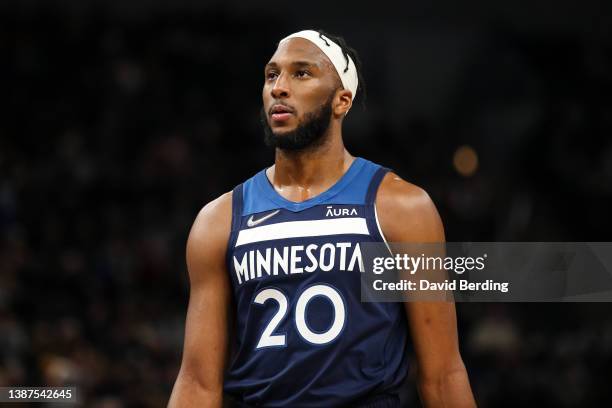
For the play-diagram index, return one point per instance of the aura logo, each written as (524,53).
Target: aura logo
(336,212)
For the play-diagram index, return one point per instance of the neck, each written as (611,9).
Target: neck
(301,175)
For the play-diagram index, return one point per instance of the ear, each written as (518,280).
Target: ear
(342,102)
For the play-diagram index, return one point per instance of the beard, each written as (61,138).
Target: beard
(309,133)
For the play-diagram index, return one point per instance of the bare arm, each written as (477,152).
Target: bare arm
(200,379)
(407,214)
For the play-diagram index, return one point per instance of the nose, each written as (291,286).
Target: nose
(280,89)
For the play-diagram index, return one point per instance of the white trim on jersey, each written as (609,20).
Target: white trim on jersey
(380,231)
(299,229)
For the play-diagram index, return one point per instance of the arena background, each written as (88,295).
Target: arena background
(120,120)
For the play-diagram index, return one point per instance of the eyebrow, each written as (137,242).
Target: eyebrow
(296,64)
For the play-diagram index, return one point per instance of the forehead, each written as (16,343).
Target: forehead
(300,49)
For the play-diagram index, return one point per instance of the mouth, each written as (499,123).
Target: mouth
(280,113)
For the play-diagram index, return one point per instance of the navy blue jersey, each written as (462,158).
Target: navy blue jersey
(304,338)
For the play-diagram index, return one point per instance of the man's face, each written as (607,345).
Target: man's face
(298,94)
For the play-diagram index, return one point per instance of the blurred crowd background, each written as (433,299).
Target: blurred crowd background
(120,120)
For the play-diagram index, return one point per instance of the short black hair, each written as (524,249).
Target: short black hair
(348,51)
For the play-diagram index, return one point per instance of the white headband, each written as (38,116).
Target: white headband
(335,55)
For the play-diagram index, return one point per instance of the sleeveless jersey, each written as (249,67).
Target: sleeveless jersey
(303,337)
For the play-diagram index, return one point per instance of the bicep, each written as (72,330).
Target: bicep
(410,216)
(206,325)
(200,379)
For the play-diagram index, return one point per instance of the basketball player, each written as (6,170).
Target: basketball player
(281,251)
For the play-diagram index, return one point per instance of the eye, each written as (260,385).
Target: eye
(270,75)
(302,73)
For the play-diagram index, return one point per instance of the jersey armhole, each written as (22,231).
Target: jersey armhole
(237,203)
(380,231)
(370,204)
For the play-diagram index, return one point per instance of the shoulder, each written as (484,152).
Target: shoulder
(406,212)
(214,217)
(210,232)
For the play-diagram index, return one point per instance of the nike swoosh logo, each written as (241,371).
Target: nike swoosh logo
(251,222)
